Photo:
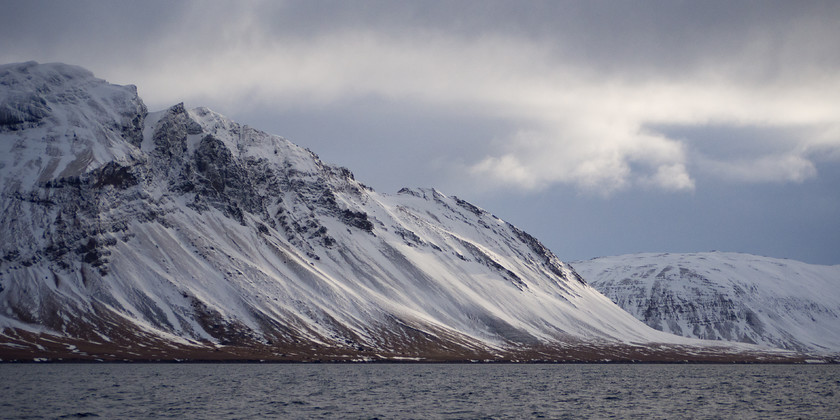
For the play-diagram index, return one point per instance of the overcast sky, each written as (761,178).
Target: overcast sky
(602,128)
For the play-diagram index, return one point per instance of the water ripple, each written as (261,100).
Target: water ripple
(388,391)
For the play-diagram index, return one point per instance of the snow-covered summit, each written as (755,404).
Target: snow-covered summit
(58,120)
(181,233)
(726,296)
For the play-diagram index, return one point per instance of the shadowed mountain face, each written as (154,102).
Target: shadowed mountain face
(182,234)
(726,296)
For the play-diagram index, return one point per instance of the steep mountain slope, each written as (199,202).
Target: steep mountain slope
(182,234)
(726,296)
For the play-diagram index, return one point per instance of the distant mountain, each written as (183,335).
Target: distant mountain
(726,296)
(181,234)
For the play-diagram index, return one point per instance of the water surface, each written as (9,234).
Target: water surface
(367,391)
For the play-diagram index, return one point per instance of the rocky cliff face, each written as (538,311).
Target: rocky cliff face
(726,296)
(182,234)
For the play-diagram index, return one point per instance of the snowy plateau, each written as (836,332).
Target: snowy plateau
(180,234)
(726,296)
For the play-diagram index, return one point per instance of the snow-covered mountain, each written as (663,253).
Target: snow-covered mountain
(182,234)
(726,296)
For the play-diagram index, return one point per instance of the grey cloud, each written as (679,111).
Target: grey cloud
(762,39)
(86,28)
(767,39)
(580,81)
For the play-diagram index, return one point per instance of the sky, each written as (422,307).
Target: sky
(600,127)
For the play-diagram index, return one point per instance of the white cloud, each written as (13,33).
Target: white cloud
(672,177)
(779,168)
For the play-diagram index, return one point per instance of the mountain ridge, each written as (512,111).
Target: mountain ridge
(726,296)
(180,234)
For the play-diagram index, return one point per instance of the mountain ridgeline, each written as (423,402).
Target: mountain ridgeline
(180,234)
(726,296)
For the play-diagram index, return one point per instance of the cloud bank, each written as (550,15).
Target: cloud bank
(588,103)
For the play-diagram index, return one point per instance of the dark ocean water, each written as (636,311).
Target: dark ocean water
(418,391)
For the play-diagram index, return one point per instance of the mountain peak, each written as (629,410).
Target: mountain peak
(59,121)
(47,74)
